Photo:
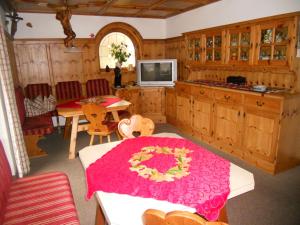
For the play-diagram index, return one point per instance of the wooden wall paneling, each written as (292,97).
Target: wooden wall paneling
(32,63)
(90,59)
(66,66)
(12,59)
(153,49)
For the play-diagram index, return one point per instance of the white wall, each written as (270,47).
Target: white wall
(46,26)
(227,12)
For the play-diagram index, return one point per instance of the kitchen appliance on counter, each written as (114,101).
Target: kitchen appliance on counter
(239,80)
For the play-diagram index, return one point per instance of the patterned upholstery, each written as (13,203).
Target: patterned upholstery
(68,90)
(34,90)
(97,87)
(38,125)
(42,199)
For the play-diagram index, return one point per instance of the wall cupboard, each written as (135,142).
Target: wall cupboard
(268,43)
(245,124)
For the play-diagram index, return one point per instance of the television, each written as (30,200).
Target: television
(156,72)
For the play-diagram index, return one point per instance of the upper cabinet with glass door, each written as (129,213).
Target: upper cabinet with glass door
(214,50)
(273,45)
(194,52)
(239,46)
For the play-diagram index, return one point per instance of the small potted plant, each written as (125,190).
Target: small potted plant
(120,54)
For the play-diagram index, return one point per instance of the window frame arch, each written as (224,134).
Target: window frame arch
(124,28)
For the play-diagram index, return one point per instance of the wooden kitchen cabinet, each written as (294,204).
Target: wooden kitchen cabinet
(183,106)
(259,128)
(227,126)
(170,105)
(261,134)
(202,112)
(147,101)
(152,103)
(132,95)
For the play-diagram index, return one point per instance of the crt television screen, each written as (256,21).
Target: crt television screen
(156,71)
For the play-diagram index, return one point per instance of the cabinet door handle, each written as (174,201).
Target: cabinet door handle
(259,103)
(202,92)
(239,113)
(227,97)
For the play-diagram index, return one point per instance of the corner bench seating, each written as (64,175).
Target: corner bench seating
(34,128)
(42,199)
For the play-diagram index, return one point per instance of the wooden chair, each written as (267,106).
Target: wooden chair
(136,123)
(157,217)
(98,125)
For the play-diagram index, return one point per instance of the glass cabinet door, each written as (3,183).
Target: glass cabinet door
(194,49)
(239,46)
(213,48)
(274,43)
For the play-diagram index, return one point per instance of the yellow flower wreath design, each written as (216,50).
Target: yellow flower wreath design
(180,170)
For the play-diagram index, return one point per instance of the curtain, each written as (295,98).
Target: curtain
(20,153)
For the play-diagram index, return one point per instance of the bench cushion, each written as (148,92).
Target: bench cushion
(42,199)
(97,87)
(38,125)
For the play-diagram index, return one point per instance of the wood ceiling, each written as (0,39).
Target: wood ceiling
(124,8)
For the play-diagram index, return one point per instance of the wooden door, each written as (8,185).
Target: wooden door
(170,105)
(261,133)
(152,103)
(202,117)
(227,125)
(183,111)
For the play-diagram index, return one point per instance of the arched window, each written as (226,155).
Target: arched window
(104,49)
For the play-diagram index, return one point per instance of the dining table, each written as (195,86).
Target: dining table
(124,209)
(72,109)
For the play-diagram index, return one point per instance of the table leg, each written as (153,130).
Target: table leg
(116,116)
(73,137)
(100,219)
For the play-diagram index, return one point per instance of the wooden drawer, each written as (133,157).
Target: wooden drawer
(263,103)
(228,97)
(183,88)
(201,91)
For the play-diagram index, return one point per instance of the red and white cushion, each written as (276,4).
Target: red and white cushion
(42,199)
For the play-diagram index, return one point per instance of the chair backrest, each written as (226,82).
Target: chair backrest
(95,114)
(97,87)
(136,123)
(68,90)
(5,180)
(34,90)
(157,217)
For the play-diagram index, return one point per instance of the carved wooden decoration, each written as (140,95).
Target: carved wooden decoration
(64,16)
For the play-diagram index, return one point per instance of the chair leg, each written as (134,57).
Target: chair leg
(92,139)
(108,138)
(100,139)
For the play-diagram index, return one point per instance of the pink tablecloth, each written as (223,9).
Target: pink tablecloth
(200,180)
(75,103)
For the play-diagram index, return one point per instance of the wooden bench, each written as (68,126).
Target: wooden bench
(41,199)
(34,128)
